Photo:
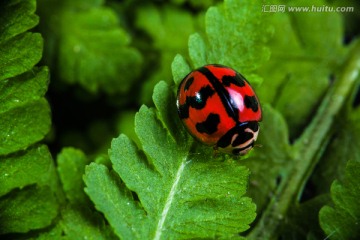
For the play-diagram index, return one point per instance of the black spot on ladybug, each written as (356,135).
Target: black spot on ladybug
(251,102)
(240,80)
(199,100)
(209,126)
(188,83)
(237,80)
(183,111)
(227,80)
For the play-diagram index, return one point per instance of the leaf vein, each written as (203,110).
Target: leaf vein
(169,201)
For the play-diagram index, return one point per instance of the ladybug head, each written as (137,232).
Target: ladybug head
(240,139)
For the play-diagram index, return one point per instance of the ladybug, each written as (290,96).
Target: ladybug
(219,108)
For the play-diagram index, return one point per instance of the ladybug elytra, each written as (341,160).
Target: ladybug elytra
(219,108)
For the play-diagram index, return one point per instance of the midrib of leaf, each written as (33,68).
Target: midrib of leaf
(306,149)
(169,201)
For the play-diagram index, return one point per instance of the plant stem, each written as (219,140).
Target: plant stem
(306,148)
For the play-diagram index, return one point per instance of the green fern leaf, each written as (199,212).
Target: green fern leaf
(165,190)
(231,37)
(27,179)
(92,48)
(341,220)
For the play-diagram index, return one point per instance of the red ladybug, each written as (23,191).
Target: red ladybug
(219,108)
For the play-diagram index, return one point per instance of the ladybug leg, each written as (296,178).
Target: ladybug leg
(216,151)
